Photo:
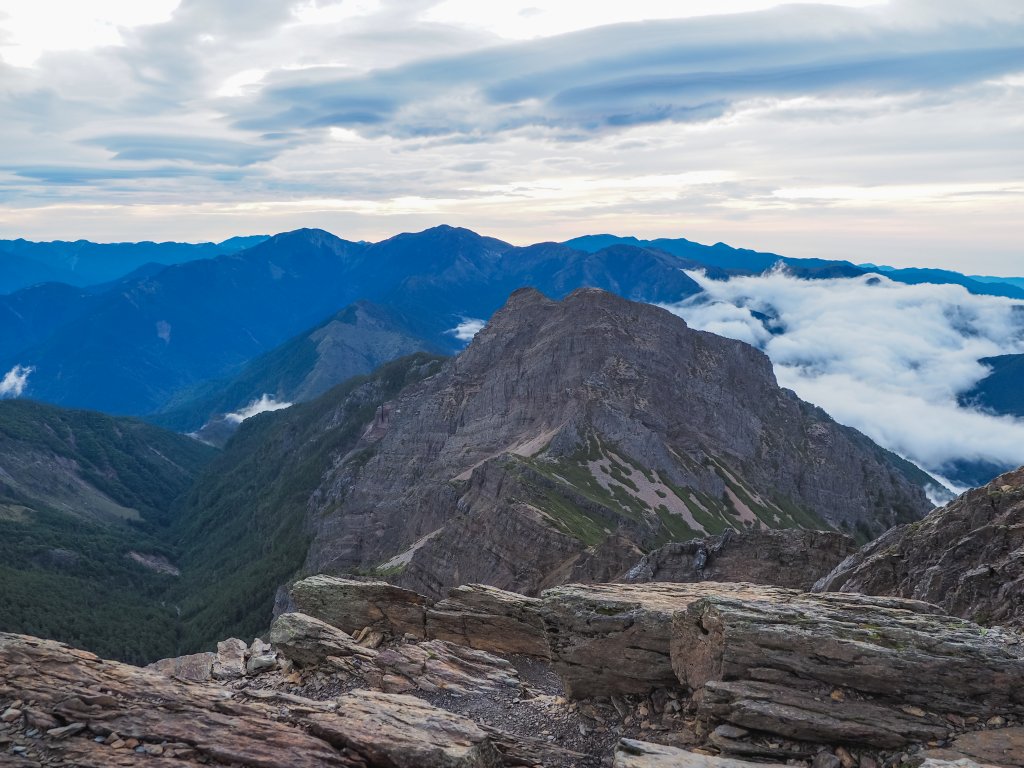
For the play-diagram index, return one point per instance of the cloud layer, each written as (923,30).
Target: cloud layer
(15,381)
(887,133)
(262,404)
(886,358)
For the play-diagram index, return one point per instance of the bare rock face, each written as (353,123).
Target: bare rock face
(439,666)
(610,639)
(792,558)
(569,435)
(839,668)
(404,732)
(309,641)
(489,619)
(230,661)
(967,556)
(1002,746)
(353,605)
(641,754)
(196,667)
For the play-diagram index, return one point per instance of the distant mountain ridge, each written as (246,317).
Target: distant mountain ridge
(136,348)
(82,262)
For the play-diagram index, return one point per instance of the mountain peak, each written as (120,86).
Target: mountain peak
(581,431)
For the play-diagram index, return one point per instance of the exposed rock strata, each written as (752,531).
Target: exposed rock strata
(609,639)
(352,605)
(844,668)
(967,556)
(489,619)
(791,558)
(641,754)
(568,425)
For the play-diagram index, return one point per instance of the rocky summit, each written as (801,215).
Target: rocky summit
(573,436)
(707,675)
(967,556)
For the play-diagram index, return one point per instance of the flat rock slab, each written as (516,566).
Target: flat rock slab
(230,661)
(489,619)
(610,639)
(404,732)
(196,667)
(771,663)
(68,686)
(309,641)
(998,746)
(353,605)
(641,754)
(439,666)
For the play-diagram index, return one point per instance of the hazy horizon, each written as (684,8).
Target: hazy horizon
(884,132)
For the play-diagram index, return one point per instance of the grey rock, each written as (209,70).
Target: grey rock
(230,661)
(197,667)
(966,557)
(842,668)
(570,435)
(489,619)
(404,732)
(608,639)
(789,558)
(310,641)
(641,754)
(353,605)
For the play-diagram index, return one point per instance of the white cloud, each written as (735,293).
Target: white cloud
(467,329)
(886,358)
(15,380)
(261,405)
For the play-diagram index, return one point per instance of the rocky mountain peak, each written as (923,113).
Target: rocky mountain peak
(967,556)
(572,436)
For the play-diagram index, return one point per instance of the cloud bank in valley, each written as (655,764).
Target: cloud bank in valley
(467,329)
(15,380)
(886,358)
(262,404)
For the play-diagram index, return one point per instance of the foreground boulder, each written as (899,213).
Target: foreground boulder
(792,558)
(62,706)
(309,641)
(353,605)
(404,732)
(489,619)
(608,639)
(641,754)
(843,668)
(967,556)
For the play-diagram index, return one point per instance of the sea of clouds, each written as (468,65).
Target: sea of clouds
(15,381)
(886,358)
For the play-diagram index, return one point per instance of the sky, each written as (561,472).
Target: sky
(887,358)
(884,132)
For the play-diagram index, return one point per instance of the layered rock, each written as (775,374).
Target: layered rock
(391,730)
(791,558)
(642,754)
(967,556)
(309,641)
(353,605)
(610,639)
(591,426)
(489,619)
(843,668)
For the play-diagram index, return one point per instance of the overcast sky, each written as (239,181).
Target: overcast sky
(887,132)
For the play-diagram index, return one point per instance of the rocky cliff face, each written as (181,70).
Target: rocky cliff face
(573,436)
(967,557)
